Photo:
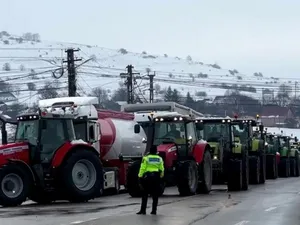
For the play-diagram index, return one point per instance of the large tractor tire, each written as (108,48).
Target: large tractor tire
(235,175)
(271,167)
(15,185)
(245,171)
(205,172)
(132,184)
(263,175)
(187,177)
(292,167)
(284,167)
(297,166)
(254,163)
(82,176)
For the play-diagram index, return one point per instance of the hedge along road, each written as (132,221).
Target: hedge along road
(272,203)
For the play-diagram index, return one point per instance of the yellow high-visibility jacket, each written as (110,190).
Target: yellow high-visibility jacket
(152,163)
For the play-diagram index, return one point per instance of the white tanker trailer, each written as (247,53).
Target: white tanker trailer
(110,132)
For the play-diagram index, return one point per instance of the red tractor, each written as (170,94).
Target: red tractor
(188,162)
(47,163)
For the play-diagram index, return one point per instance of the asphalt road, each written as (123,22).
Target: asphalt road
(275,203)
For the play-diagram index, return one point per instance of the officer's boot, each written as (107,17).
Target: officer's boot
(143,206)
(154,205)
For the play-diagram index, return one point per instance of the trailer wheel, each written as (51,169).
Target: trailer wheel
(82,176)
(254,163)
(235,175)
(271,167)
(14,185)
(292,167)
(132,183)
(284,167)
(262,178)
(206,172)
(187,178)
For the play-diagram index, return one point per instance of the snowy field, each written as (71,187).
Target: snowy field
(35,62)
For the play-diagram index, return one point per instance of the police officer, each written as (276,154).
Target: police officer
(150,177)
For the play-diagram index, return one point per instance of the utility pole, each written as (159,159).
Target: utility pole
(71,71)
(151,89)
(130,80)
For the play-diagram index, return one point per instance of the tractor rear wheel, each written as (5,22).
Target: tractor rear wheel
(235,175)
(254,163)
(245,173)
(187,177)
(82,176)
(292,167)
(206,174)
(15,185)
(284,167)
(271,167)
(262,178)
(297,166)
(132,180)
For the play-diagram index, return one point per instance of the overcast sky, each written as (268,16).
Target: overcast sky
(254,35)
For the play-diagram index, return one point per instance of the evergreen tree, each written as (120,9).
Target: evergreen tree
(189,102)
(169,95)
(176,96)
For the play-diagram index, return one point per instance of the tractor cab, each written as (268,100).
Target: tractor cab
(218,133)
(171,133)
(44,132)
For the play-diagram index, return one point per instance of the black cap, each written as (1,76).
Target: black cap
(153,149)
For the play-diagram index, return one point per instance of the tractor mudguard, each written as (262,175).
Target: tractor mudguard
(198,151)
(66,149)
(237,148)
(24,166)
(284,152)
(293,152)
(255,145)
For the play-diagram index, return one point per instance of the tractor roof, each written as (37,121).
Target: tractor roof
(213,120)
(172,118)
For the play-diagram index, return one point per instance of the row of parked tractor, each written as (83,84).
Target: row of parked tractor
(71,150)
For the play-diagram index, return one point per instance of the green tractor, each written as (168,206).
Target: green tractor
(286,156)
(272,156)
(256,147)
(230,158)
(294,158)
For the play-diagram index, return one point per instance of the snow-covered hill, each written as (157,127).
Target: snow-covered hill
(35,61)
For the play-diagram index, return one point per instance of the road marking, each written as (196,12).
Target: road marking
(270,209)
(242,222)
(77,222)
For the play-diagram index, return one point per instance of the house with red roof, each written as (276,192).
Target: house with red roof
(275,116)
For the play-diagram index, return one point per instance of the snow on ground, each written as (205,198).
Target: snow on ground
(286,131)
(106,65)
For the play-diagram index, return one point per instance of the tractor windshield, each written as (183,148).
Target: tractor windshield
(240,132)
(283,142)
(27,131)
(169,131)
(212,132)
(270,140)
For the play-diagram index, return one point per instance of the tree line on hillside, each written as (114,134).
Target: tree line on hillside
(231,102)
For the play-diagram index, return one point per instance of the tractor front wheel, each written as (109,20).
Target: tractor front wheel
(14,185)
(284,167)
(271,167)
(206,174)
(82,176)
(132,182)
(254,162)
(187,177)
(235,175)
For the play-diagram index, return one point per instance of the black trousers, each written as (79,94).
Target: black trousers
(151,184)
